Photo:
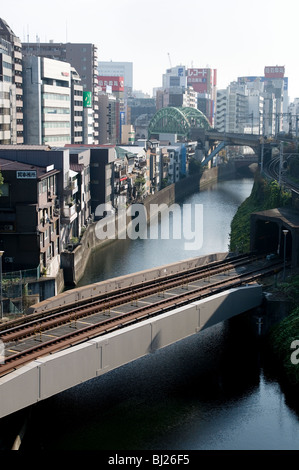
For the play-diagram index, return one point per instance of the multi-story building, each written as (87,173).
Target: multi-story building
(80,166)
(204,83)
(77,119)
(256,112)
(118,69)
(232,109)
(273,87)
(175,77)
(101,176)
(66,183)
(294,115)
(11,87)
(84,58)
(111,112)
(29,220)
(175,91)
(276,85)
(102,160)
(47,101)
(137,107)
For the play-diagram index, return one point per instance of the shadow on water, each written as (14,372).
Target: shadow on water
(200,393)
(218,389)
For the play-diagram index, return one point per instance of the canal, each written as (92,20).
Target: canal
(217,390)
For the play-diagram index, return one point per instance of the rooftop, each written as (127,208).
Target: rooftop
(12,165)
(287,216)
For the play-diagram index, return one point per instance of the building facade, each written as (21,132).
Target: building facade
(204,83)
(118,69)
(29,219)
(77,116)
(84,58)
(47,101)
(232,109)
(11,87)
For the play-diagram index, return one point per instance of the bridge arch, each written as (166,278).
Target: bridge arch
(180,121)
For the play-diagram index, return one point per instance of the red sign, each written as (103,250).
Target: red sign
(274,72)
(116,83)
(202,80)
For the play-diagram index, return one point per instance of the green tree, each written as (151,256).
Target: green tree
(1,183)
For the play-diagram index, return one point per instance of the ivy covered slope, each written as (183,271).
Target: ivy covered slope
(284,337)
(264,195)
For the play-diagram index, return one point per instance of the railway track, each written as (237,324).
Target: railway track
(49,332)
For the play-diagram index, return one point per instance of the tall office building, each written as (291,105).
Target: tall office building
(47,101)
(232,109)
(204,82)
(11,87)
(273,86)
(84,58)
(175,90)
(118,69)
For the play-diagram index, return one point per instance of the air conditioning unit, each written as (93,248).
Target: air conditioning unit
(8,259)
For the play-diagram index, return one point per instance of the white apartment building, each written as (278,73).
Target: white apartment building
(76,108)
(256,112)
(47,101)
(232,109)
(175,77)
(294,116)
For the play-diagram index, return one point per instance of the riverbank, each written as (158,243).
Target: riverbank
(281,317)
(73,263)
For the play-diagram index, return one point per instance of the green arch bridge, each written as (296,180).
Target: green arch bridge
(180,121)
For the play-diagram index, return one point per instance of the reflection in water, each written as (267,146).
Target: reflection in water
(210,391)
(219,204)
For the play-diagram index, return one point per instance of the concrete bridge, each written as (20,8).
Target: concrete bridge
(53,373)
(215,141)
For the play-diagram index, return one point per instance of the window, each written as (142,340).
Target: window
(5,190)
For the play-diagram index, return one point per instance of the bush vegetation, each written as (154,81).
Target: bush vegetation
(264,195)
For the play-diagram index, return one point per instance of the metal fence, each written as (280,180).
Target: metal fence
(14,293)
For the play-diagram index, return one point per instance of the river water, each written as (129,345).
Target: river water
(216,390)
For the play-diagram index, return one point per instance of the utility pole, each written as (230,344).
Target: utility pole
(280,162)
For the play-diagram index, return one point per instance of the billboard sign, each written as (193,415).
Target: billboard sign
(87,99)
(199,79)
(21,175)
(274,72)
(116,83)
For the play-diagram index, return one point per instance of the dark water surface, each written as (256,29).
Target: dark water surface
(216,390)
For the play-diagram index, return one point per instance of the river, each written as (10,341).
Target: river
(216,390)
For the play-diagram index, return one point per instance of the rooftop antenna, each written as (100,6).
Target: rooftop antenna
(66,31)
(169,59)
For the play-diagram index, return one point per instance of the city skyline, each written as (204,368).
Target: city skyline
(233,39)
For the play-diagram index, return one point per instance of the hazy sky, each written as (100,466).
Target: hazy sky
(236,38)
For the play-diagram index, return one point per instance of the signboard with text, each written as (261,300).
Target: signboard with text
(116,83)
(21,174)
(87,99)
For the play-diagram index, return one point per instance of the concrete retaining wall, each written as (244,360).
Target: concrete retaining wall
(55,373)
(92,290)
(74,263)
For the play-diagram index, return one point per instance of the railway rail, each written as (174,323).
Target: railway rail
(45,333)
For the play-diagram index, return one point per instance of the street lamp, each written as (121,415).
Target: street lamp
(285,232)
(1,300)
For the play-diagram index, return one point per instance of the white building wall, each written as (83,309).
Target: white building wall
(47,101)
